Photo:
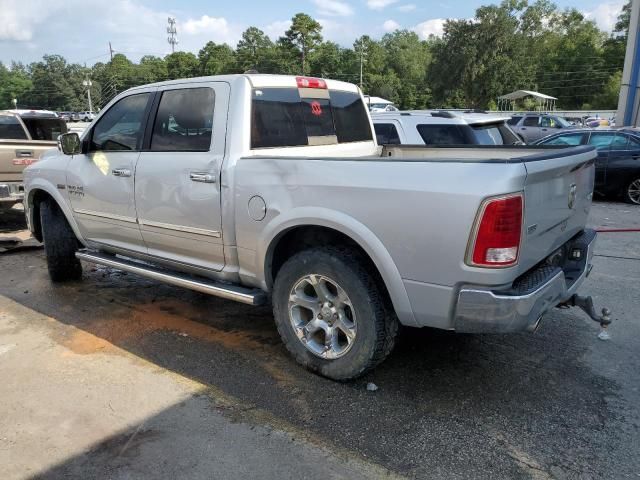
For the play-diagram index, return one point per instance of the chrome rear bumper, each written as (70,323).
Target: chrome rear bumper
(481,310)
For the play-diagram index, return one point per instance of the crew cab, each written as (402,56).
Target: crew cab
(260,188)
(24,136)
(441,127)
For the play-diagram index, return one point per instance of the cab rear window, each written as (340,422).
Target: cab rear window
(45,128)
(281,118)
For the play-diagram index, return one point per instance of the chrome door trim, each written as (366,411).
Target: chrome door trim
(180,228)
(110,216)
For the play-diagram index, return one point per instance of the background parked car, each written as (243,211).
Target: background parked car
(66,116)
(87,116)
(533,126)
(442,128)
(618,162)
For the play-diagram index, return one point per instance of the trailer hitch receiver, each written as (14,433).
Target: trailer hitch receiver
(586,305)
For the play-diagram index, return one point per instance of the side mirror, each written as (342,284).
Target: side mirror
(69,143)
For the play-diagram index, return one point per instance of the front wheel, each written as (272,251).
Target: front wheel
(632,192)
(331,314)
(60,244)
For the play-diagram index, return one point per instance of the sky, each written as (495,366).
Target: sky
(81,30)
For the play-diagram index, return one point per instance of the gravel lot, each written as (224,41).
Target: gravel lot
(121,377)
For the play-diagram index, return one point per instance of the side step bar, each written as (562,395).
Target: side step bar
(230,292)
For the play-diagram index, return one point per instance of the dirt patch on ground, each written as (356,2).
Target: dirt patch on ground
(147,319)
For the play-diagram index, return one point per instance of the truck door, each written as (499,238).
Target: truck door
(100,182)
(602,141)
(178,175)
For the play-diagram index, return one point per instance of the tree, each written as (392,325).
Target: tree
(14,84)
(216,59)
(182,65)
(152,69)
(304,35)
(254,50)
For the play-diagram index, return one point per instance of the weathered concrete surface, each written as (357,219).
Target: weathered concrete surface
(555,404)
(111,414)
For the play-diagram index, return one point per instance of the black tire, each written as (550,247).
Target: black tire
(60,244)
(630,193)
(377,324)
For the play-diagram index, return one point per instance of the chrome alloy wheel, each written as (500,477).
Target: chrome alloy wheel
(322,316)
(633,191)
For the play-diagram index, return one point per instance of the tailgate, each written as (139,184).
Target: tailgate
(16,156)
(558,193)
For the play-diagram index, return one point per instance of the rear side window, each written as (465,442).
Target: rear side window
(531,121)
(602,141)
(443,134)
(514,120)
(184,121)
(281,118)
(496,134)
(45,128)
(10,129)
(572,139)
(621,142)
(386,134)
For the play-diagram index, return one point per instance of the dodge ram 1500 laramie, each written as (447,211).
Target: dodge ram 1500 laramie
(261,188)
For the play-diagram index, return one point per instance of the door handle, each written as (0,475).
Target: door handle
(202,177)
(121,172)
(523,128)
(24,153)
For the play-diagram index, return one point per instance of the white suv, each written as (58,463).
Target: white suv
(87,116)
(438,127)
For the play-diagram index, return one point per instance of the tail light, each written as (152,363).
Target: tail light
(310,82)
(498,232)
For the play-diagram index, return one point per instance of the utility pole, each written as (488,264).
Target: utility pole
(629,99)
(173,34)
(363,54)
(111,51)
(87,83)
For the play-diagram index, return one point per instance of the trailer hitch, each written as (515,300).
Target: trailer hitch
(586,305)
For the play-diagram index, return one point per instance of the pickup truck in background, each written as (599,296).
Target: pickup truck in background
(261,188)
(24,137)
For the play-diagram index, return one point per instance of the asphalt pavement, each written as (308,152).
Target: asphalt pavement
(120,377)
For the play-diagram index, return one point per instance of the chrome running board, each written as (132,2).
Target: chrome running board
(222,290)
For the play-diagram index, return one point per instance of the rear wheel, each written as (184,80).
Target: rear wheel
(331,314)
(632,193)
(60,244)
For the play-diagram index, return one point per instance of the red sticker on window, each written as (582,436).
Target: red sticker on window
(316,108)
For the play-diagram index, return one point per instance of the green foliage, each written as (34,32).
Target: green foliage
(518,44)
(304,35)
(182,65)
(254,50)
(217,59)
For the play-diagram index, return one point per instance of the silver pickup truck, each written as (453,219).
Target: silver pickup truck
(261,188)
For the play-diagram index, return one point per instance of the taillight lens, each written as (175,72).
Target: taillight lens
(310,82)
(498,232)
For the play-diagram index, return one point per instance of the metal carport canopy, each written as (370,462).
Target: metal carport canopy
(518,94)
